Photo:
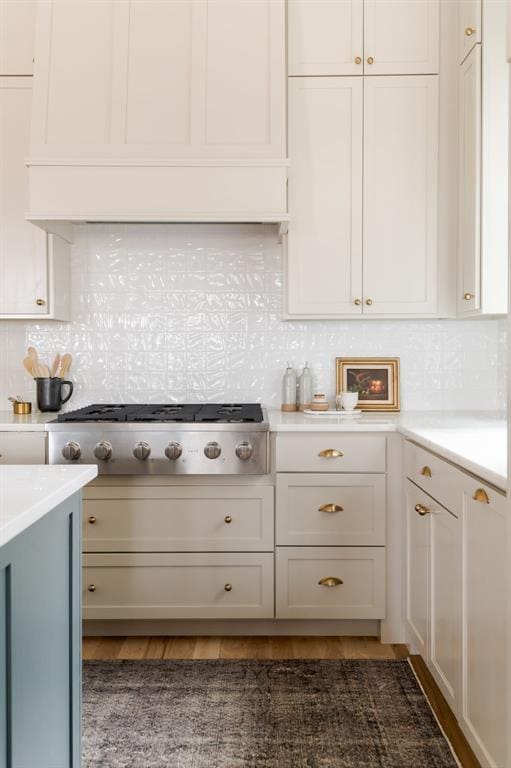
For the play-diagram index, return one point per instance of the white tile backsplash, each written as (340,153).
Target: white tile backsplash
(181,312)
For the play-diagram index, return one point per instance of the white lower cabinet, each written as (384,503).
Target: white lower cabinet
(330,583)
(22,447)
(178,586)
(456,613)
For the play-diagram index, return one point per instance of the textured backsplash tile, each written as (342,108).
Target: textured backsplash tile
(192,312)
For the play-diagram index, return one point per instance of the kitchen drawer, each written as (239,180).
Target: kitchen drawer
(330,510)
(360,595)
(179,586)
(330,452)
(178,519)
(437,477)
(22,447)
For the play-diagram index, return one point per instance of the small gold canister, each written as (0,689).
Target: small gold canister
(22,408)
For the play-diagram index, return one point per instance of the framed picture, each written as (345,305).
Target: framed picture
(376,379)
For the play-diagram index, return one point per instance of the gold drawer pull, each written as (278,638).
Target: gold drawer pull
(227,519)
(330,508)
(330,453)
(91,520)
(481,495)
(91,587)
(421,509)
(330,581)
(426,471)
(227,587)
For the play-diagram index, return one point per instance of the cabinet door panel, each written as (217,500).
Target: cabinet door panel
(470,23)
(325,196)
(469,199)
(445,586)
(417,569)
(400,194)
(401,36)
(22,245)
(17,25)
(325,37)
(484,624)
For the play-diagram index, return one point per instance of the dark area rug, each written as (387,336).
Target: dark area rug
(262,714)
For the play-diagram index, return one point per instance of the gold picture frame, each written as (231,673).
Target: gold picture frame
(376,379)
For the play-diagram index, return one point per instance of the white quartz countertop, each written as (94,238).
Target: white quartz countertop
(475,441)
(34,422)
(27,493)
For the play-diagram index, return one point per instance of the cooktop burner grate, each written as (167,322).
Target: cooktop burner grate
(232,413)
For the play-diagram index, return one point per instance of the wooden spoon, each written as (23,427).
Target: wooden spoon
(29,366)
(32,353)
(65,365)
(55,365)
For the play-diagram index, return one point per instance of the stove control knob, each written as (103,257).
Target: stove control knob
(103,450)
(173,451)
(142,450)
(212,450)
(72,451)
(244,450)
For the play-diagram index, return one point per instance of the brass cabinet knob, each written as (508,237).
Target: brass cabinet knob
(92,520)
(481,495)
(358,60)
(469,31)
(227,587)
(357,302)
(330,453)
(330,581)
(426,472)
(227,519)
(369,302)
(330,508)
(421,509)
(467,296)
(40,302)
(91,587)
(370,60)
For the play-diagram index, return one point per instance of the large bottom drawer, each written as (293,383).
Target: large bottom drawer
(178,586)
(330,583)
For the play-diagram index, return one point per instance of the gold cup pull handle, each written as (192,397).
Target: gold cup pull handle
(227,587)
(330,581)
(91,587)
(330,453)
(426,471)
(421,509)
(330,508)
(481,495)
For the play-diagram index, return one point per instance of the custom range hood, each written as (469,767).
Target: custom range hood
(158,112)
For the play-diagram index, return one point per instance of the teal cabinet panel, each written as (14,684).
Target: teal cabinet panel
(40,643)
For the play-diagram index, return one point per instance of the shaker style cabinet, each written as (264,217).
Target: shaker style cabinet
(34,266)
(17,28)
(355,37)
(362,196)
(469,26)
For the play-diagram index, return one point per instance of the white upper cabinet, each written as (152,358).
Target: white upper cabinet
(469,25)
(325,37)
(324,267)
(17,27)
(372,37)
(34,268)
(400,194)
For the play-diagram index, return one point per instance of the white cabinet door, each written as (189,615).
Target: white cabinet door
(486,652)
(469,25)
(22,447)
(17,26)
(469,184)
(417,567)
(401,37)
(445,602)
(23,266)
(324,264)
(400,194)
(325,37)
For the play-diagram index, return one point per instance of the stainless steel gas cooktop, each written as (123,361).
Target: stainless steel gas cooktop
(163,439)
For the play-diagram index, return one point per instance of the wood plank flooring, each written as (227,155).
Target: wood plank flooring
(206,647)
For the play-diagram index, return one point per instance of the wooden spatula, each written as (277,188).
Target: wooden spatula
(65,365)
(29,366)
(32,353)
(55,365)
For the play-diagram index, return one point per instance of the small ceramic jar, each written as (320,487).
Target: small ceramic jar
(319,403)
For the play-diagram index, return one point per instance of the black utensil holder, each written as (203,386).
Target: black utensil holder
(49,393)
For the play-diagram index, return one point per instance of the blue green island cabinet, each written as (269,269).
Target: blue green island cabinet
(40,641)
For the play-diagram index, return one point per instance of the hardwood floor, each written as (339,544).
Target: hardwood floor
(138,648)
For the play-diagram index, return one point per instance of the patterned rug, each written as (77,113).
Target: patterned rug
(258,714)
